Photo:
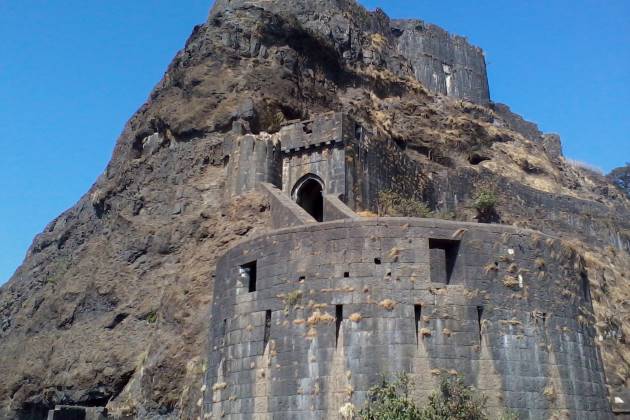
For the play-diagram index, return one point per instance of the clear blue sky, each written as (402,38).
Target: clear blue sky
(73,71)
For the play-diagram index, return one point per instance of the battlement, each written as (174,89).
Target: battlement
(344,158)
(324,129)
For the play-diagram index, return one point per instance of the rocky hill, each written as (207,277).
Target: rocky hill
(111,305)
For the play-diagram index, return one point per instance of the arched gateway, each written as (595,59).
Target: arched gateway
(308,194)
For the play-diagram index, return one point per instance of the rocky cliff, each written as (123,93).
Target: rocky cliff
(111,305)
(621,178)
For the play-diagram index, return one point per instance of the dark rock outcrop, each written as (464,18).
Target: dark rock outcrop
(552,145)
(621,178)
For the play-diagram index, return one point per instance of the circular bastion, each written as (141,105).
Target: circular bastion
(306,319)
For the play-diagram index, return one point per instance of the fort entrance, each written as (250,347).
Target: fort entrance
(308,195)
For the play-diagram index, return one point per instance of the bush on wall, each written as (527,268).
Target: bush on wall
(391,203)
(453,400)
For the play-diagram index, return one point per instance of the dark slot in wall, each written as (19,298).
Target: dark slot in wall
(417,309)
(248,271)
(585,286)
(443,256)
(479,318)
(224,331)
(338,319)
(267,329)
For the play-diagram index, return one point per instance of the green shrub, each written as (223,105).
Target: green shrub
(390,401)
(151,317)
(391,203)
(485,201)
(455,401)
(293,297)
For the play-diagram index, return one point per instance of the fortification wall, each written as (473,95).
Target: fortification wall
(444,63)
(334,305)
(376,164)
(327,128)
(553,214)
(326,161)
(250,160)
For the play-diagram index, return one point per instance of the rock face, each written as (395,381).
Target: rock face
(112,303)
(621,178)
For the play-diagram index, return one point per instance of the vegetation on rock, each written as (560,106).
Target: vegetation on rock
(391,203)
(485,203)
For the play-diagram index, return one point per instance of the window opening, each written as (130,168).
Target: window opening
(443,256)
(248,273)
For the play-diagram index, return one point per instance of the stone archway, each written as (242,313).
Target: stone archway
(308,194)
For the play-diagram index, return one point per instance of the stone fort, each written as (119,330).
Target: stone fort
(307,317)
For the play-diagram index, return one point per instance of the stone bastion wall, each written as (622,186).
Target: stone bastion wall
(306,319)
(444,63)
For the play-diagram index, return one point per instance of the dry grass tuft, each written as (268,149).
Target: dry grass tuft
(219,386)
(510,282)
(491,268)
(550,393)
(366,213)
(387,304)
(355,317)
(317,317)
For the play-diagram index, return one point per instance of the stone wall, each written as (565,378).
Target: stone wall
(250,160)
(334,305)
(444,63)
(327,128)
(374,165)
(327,162)
(554,214)
(349,160)
(316,147)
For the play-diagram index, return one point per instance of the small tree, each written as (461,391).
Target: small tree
(454,401)
(390,401)
(485,203)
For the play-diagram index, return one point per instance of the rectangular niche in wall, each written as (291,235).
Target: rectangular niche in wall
(248,274)
(442,258)
(338,321)
(267,333)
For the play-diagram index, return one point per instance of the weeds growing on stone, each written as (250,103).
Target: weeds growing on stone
(391,203)
(453,400)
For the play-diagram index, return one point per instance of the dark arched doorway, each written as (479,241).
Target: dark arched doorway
(308,195)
